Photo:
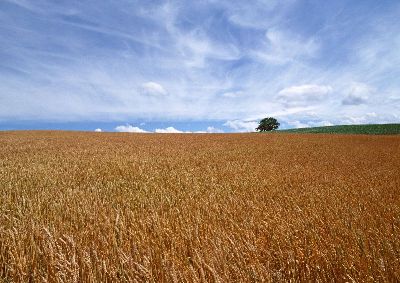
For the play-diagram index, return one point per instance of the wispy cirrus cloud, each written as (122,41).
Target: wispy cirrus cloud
(281,48)
(208,60)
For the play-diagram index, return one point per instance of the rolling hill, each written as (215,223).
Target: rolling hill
(370,129)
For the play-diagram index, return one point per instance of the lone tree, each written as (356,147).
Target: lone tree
(267,124)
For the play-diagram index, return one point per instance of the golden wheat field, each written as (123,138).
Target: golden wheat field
(115,207)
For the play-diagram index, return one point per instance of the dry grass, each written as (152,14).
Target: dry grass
(99,207)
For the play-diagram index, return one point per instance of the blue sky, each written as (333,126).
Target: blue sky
(208,66)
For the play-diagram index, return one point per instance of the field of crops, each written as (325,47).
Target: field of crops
(115,207)
(368,129)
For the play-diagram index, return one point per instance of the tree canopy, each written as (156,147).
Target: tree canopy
(267,124)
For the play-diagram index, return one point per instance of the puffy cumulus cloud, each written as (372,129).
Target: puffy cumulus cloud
(319,123)
(308,124)
(354,99)
(129,129)
(209,130)
(168,130)
(370,117)
(304,94)
(297,124)
(358,94)
(212,130)
(242,125)
(98,130)
(153,89)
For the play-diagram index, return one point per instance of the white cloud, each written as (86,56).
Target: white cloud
(258,14)
(197,47)
(153,89)
(168,130)
(129,129)
(282,47)
(98,130)
(304,94)
(213,130)
(233,94)
(242,125)
(355,120)
(319,124)
(371,118)
(26,5)
(228,62)
(298,124)
(358,94)
(354,99)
